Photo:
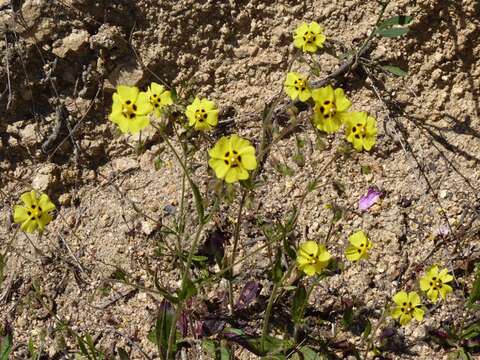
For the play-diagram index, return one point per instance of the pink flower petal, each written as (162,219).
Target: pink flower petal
(369,199)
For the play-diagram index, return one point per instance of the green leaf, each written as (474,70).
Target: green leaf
(298,304)
(393,32)
(277,271)
(396,20)
(394,70)
(254,344)
(471,331)
(161,331)
(6,344)
(188,289)
(366,169)
(122,354)
(475,294)
(306,353)
(216,350)
(368,330)
(3,264)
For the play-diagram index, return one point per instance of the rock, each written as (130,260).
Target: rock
(106,37)
(46,178)
(94,148)
(65,199)
(245,51)
(125,164)
(28,135)
(124,74)
(148,227)
(72,43)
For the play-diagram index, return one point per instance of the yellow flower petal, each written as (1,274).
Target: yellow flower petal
(358,239)
(400,298)
(425,283)
(418,314)
(28,198)
(352,253)
(137,124)
(413,298)
(127,93)
(405,319)
(249,161)
(166,98)
(156,88)
(444,290)
(20,214)
(304,95)
(220,148)
(432,295)
(219,167)
(322,94)
(309,247)
(341,101)
(396,313)
(309,270)
(45,203)
(143,104)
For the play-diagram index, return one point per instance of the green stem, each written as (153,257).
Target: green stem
(374,331)
(236,238)
(268,312)
(271,301)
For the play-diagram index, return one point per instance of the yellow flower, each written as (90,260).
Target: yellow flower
(130,109)
(34,213)
(309,37)
(312,257)
(359,246)
(330,108)
(408,306)
(231,157)
(202,114)
(159,97)
(434,283)
(296,86)
(361,130)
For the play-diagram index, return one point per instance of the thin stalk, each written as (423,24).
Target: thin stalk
(236,238)
(180,306)
(309,293)
(268,312)
(271,301)
(374,331)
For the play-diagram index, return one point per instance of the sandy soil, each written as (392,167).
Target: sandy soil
(75,52)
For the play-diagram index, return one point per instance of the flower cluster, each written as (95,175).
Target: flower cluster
(330,105)
(131,107)
(433,283)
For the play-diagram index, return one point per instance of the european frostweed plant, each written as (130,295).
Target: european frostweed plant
(202,114)
(361,130)
(296,86)
(408,306)
(312,257)
(130,109)
(434,282)
(231,158)
(34,213)
(359,246)
(330,109)
(159,97)
(309,37)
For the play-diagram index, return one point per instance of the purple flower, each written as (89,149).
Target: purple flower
(442,231)
(371,198)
